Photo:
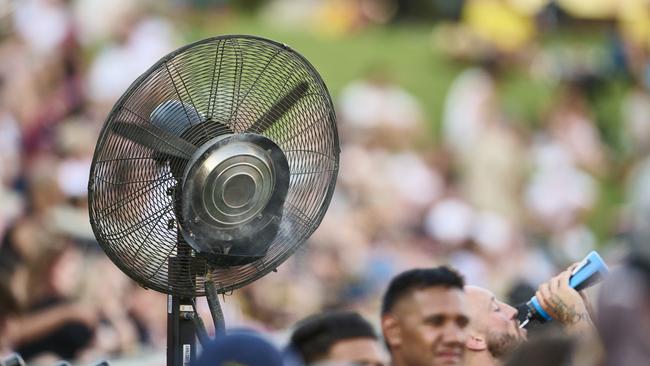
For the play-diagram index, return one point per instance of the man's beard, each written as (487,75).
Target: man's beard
(502,344)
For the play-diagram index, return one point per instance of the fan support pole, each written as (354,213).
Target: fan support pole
(181,334)
(181,331)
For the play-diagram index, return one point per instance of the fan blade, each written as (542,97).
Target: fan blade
(175,116)
(155,138)
(281,107)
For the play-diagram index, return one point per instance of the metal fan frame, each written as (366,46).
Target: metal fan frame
(101,145)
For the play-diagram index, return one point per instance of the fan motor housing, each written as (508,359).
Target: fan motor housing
(234,188)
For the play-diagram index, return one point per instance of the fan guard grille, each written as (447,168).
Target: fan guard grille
(225,84)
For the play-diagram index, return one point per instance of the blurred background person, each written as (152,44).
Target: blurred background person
(623,313)
(337,338)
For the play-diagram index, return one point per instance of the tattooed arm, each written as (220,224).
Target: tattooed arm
(565,304)
(574,317)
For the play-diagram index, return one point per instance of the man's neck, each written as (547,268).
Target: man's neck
(480,358)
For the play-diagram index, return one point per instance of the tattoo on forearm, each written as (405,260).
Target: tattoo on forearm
(566,314)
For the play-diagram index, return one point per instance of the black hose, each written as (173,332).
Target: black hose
(200,327)
(215,307)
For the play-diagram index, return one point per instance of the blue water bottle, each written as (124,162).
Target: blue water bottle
(590,271)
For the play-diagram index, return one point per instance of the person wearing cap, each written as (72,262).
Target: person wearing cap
(240,348)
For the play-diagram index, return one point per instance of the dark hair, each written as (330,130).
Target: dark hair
(315,335)
(419,278)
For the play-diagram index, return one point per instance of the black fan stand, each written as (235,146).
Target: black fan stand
(181,326)
(184,324)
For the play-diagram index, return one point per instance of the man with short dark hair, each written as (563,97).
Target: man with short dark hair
(424,317)
(337,338)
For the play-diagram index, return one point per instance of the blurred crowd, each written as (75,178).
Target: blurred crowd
(506,201)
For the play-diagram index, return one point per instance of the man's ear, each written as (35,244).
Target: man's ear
(391,330)
(476,342)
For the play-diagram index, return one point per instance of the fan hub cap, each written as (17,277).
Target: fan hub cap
(230,184)
(233,188)
(238,190)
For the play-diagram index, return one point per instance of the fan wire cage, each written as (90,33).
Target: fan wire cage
(222,86)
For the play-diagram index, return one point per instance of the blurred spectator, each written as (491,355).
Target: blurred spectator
(497,154)
(10,167)
(10,147)
(623,318)
(337,338)
(329,18)
(97,20)
(43,24)
(635,110)
(500,23)
(375,108)
(9,302)
(484,144)
(50,321)
(139,41)
(638,192)
(468,104)
(572,126)
(558,192)
(450,222)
